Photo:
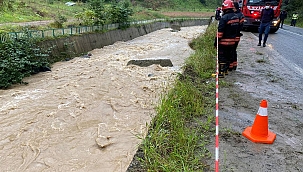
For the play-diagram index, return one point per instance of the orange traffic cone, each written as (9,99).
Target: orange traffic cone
(259,132)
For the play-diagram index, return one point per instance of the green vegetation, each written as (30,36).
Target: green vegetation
(141,13)
(292,6)
(20,58)
(34,10)
(178,135)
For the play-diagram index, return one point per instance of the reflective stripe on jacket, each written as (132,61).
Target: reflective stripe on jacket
(295,16)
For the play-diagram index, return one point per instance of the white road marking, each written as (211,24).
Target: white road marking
(292,32)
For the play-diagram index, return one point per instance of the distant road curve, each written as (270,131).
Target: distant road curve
(32,23)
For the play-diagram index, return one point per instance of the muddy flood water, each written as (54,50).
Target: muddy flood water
(88,114)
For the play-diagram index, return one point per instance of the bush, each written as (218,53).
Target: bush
(20,58)
(120,13)
(59,20)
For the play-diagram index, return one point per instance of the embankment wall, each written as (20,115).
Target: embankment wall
(82,44)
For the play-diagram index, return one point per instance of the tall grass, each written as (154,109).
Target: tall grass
(141,13)
(180,131)
(34,10)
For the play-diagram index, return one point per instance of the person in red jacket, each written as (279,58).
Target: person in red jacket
(228,30)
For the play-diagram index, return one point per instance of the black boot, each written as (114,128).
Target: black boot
(230,66)
(222,70)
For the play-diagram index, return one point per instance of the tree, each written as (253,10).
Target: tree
(294,5)
(120,13)
(203,2)
(98,7)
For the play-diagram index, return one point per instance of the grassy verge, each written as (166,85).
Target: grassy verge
(184,123)
(141,13)
(34,10)
(39,10)
(298,24)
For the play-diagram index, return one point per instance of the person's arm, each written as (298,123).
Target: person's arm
(241,24)
(221,27)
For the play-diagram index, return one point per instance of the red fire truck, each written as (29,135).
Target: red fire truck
(252,12)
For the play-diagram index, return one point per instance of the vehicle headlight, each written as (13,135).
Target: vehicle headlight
(275,22)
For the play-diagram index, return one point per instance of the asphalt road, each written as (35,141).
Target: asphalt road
(288,42)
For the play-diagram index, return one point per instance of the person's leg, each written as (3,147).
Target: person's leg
(230,52)
(235,56)
(295,21)
(261,30)
(266,32)
(221,61)
(282,22)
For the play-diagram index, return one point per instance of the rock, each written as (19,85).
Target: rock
(103,142)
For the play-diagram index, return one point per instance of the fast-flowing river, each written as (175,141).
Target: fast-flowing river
(89,114)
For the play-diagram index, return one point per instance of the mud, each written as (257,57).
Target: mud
(262,74)
(89,114)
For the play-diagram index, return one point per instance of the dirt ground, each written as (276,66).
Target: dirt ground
(188,14)
(262,74)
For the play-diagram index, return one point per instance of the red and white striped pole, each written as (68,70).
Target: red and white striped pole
(217,109)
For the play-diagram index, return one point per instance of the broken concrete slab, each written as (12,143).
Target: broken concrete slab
(175,27)
(148,62)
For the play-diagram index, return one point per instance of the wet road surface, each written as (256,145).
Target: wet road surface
(288,41)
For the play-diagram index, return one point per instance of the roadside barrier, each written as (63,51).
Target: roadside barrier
(76,30)
(217,110)
(259,132)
